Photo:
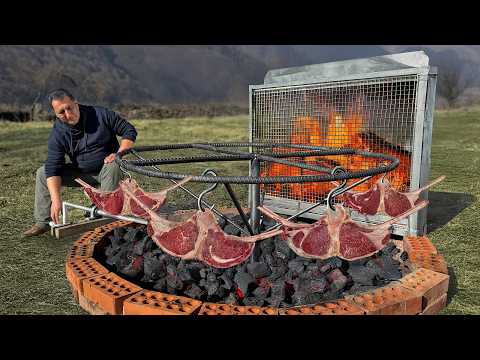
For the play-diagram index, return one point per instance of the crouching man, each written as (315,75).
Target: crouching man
(87,134)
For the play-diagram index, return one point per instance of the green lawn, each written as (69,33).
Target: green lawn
(32,280)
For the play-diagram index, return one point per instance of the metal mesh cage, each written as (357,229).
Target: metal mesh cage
(375,115)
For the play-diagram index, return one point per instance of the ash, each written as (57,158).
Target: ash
(273,276)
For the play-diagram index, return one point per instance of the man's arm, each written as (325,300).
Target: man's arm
(125,144)
(124,129)
(53,171)
(54,184)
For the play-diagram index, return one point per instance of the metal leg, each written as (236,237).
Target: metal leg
(239,208)
(255,200)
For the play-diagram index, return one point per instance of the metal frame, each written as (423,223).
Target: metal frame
(390,66)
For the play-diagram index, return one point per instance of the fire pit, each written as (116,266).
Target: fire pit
(413,280)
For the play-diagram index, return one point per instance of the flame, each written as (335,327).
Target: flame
(347,131)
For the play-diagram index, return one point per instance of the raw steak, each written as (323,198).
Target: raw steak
(383,198)
(336,234)
(200,238)
(117,202)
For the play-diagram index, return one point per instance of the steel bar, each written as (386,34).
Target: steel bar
(239,208)
(93,209)
(254,213)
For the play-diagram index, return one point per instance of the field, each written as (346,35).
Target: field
(32,276)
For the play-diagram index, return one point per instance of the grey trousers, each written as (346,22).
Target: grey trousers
(108,178)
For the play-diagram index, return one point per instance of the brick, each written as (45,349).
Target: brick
(108,291)
(340,307)
(225,309)
(156,303)
(418,243)
(434,262)
(393,299)
(90,307)
(79,251)
(78,269)
(428,284)
(435,307)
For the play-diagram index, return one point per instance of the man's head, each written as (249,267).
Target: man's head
(65,106)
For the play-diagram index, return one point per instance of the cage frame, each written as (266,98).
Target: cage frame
(380,67)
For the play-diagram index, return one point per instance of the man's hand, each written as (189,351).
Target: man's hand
(109,159)
(55,210)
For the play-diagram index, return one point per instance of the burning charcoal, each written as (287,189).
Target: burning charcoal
(160,285)
(257,252)
(296,265)
(194,269)
(258,269)
(267,246)
(231,230)
(373,265)
(335,262)
(274,301)
(261,292)
(337,280)
(404,256)
(184,275)
(282,250)
(313,298)
(278,289)
(203,273)
(194,292)
(318,285)
(243,281)
(131,234)
(174,282)
(152,267)
(202,282)
(231,299)
(211,277)
(139,246)
(119,232)
(277,272)
(212,287)
(171,270)
(227,282)
(299,298)
(253,301)
(361,275)
(134,267)
(268,259)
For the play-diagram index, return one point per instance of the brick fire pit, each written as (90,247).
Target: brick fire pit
(98,291)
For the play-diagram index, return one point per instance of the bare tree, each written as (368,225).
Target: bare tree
(453,80)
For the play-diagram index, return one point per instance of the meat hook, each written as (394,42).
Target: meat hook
(210,189)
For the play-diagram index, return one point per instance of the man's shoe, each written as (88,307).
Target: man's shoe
(36,230)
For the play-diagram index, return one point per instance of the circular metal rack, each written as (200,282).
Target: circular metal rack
(255,179)
(139,165)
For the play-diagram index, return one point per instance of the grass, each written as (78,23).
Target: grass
(32,280)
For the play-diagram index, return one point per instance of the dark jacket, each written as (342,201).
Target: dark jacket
(87,143)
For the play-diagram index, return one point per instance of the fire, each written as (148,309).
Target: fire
(342,131)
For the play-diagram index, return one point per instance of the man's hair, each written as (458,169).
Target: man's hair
(59,94)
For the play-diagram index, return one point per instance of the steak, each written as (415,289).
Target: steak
(200,238)
(117,202)
(383,198)
(336,234)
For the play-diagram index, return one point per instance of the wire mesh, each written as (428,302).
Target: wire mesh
(376,115)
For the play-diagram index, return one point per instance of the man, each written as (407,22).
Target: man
(87,134)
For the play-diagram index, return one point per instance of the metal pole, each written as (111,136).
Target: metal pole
(255,199)
(103,213)
(239,208)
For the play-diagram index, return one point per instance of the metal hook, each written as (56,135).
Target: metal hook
(334,192)
(125,172)
(210,189)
